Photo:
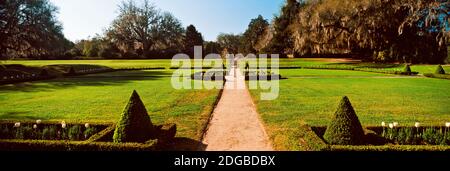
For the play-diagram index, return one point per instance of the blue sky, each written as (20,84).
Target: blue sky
(84,18)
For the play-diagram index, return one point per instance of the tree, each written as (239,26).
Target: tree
(231,42)
(28,28)
(191,39)
(383,31)
(345,128)
(282,42)
(254,33)
(139,30)
(135,124)
(212,47)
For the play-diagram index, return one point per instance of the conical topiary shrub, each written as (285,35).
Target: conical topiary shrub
(440,70)
(345,128)
(407,69)
(135,124)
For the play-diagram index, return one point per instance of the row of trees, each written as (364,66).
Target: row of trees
(141,31)
(28,28)
(377,30)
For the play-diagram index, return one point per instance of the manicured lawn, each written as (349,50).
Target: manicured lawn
(311,97)
(102,97)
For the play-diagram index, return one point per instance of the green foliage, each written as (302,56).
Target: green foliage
(75,133)
(32,30)
(439,70)
(43,145)
(255,31)
(191,39)
(49,133)
(345,128)
(135,124)
(407,69)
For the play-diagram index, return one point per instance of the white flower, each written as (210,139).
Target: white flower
(86,125)
(447,124)
(417,124)
(391,125)
(35,126)
(17,125)
(38,121)
(63,124)
(383,124)
(395,124)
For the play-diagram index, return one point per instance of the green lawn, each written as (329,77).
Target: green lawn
(311,97)
(102,97)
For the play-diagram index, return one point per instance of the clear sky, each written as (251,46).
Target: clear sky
(84,18)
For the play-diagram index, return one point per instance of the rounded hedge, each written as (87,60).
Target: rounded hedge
(135,124)
(440,70)
(345,128)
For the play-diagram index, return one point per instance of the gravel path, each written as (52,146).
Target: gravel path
(235,124)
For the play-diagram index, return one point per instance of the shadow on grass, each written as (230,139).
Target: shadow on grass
(184,144)
(367,65)
(17,115)
(103,79)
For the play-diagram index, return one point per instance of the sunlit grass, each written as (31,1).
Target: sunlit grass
(102,97)
(311,97)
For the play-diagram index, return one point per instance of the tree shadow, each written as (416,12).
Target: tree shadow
(18,115)
(102,79)
(368,65)
(184,144)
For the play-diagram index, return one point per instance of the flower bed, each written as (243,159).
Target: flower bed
(381,138)
(51,136)
(48,131)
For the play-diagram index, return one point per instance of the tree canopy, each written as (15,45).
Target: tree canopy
(29,28)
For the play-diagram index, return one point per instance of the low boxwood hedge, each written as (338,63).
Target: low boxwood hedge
(46,145)
(441,76)
(310,140)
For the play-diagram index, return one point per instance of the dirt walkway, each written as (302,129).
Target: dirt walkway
(235,124)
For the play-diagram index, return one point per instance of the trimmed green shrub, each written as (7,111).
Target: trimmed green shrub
(345,128)
(407,69)
(135,124)
(440,70)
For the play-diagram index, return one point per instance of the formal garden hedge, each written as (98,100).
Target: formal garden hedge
(439,73)
(405,71)
(132,133)
(346,134)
